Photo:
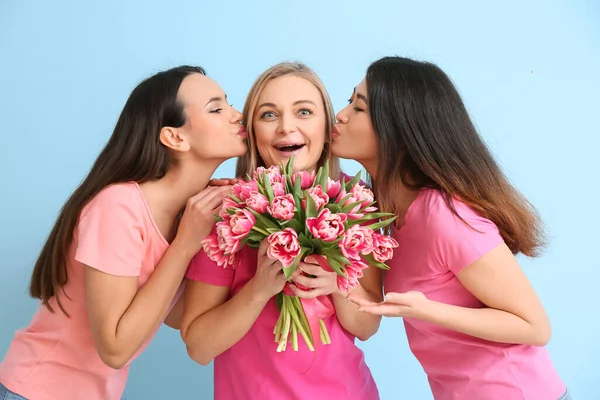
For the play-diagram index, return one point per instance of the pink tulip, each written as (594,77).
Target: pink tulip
(327,226)
(383,247)
(357,240)
(228,204)
(278,188)
(243,190)
(319,197)
(333,187)
(354,272)
(284,246)
(272,172)
(282,207)
(226,241)
(306,179)
(241,224)
(258,202)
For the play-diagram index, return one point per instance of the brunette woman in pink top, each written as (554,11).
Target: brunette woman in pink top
(472,318)
(112,268)
(229,314)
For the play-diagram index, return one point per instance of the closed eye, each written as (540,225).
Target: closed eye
(216,110)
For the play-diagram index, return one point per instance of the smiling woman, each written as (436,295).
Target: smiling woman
(229,314)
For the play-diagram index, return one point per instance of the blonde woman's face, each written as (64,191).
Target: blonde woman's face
(290,119)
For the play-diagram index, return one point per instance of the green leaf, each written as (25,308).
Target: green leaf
(217,217)
(344,199)
(318,177)
(350,206)
(317,245)
(268,187)
(334,208)
(374,263)
(311,207)
(290,166)
(336,266)
(324,175)
(255,236)
(381,224)
(304,241)
(288,271)
(265,221)
(353,181)
(236,199)
(294,224)
(279,300)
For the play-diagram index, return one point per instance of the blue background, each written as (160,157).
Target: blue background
(528,72)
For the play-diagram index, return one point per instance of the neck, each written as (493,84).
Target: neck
(403,195)
(170,193)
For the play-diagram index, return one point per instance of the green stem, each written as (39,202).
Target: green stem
(277,329)
(325,332)
(286,327)
(303,318)
(257,229)
(296,319)
(294,337)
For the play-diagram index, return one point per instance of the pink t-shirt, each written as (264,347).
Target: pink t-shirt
(435,246)
(252,368)
(55,358)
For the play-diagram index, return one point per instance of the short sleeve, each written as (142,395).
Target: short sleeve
(205,270)
(110,233)
(458,244)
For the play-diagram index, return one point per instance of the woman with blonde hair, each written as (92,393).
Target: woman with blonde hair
(229,314)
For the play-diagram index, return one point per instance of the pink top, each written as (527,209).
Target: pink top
(252,369)
(55,358)
(434,247)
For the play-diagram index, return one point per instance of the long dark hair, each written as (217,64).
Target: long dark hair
(133,153)
(427,139)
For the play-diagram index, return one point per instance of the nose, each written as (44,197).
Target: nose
(236,116)
(287,124)
(342,117)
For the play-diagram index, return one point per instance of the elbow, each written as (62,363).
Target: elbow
(366,332)
(198,356)
(194,352)
(114,360)
(542,336)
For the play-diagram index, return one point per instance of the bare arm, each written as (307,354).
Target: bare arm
(359,324)
(121,316)
(514,313)
(173,319)
(212,322)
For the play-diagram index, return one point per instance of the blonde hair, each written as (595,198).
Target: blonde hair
(247,163)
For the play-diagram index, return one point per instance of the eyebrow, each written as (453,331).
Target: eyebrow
(361,96)
(213,99)
(295,104)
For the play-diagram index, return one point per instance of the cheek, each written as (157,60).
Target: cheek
(315,133)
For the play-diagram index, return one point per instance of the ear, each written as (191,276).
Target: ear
(174,139)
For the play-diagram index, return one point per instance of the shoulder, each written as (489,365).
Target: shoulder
(447,217)
(119,195)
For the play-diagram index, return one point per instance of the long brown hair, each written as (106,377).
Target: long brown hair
(133,153)
(427,139)
(247,163)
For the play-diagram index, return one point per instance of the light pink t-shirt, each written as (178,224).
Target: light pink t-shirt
(252,368)
(55,358)
(435,246)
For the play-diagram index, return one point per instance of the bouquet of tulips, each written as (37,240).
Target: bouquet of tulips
(302,214)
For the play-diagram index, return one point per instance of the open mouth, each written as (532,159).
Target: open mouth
(289,148)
